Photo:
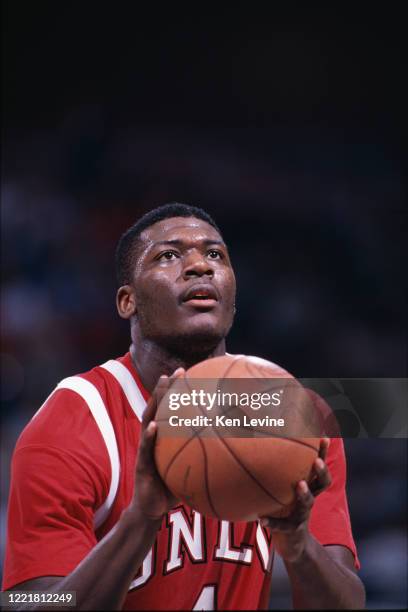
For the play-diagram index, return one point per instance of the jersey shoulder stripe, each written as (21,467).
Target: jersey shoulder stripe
(129,386)
(92,389)
(92,397)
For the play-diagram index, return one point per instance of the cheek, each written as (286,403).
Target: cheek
(156,292)
(229,287)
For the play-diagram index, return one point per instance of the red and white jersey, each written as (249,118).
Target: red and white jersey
(73,473)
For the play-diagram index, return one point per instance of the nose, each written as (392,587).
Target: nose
(197,265)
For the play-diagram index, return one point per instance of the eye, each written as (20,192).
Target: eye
(214,254)
(167,256)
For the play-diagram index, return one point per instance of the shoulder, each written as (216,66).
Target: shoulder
(66,420)
(86,411)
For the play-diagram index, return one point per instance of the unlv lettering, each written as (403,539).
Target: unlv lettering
(243,554)
(146,572)
(187,535)
(225,551)
(180,528)
(263,549)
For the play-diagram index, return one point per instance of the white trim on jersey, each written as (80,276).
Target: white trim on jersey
(128,384)
(92,397)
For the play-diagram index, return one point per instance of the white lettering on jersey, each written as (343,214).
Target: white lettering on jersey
(147,569)
(263,548)
(180,529)
(224,550)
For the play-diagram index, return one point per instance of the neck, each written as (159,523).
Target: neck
(152,360)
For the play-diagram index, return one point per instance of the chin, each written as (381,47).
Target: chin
(195,340)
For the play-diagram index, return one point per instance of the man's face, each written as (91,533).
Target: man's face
(184,283)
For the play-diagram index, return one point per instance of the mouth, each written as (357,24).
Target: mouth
(200,297)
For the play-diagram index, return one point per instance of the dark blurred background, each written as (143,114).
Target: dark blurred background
(284,123)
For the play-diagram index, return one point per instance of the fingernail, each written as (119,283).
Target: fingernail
(320,463)
(303,486)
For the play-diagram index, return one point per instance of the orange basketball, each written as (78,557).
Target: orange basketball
(228,455)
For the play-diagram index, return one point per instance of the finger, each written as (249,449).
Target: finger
(274,524)
(323,477)
(159,392)
(154,401)
(304,501)
(300,513)
(145,460)
(164,384)
(324,447)
(162,387)
(178,372)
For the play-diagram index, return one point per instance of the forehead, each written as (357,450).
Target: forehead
(178,228)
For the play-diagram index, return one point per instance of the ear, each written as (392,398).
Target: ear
(126,301)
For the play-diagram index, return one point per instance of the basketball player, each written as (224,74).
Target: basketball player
(88,511)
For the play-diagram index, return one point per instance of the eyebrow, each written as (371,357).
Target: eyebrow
(177,242)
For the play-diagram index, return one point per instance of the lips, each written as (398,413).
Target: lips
(200,293)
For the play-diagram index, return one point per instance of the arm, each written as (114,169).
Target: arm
(324,577)
(102,579)
(321,577)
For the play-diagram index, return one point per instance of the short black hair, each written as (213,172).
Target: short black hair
(126,248)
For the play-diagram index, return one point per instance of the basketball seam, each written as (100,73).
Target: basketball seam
(196,434)
(207,487)
(244,468)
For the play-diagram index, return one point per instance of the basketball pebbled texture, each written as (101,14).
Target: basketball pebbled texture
(245,475)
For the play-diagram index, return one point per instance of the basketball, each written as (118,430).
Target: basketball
(241,459)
